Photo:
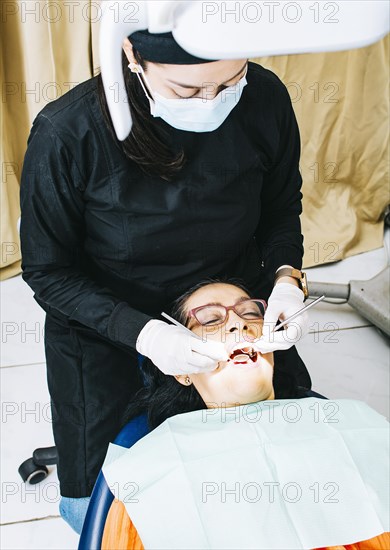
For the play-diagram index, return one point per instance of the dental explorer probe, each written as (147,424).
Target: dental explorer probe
(313,303)
(180,325)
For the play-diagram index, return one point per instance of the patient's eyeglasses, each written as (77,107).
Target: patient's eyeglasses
(212,315)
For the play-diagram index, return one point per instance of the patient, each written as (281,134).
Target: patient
(245,378)
(237,381)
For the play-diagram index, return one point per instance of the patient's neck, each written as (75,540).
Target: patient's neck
(213,405)
(271,395)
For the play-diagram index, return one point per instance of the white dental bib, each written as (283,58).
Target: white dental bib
(296,474)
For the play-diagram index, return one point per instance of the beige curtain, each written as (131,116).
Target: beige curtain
(341,103)
(340,100)
(46,49)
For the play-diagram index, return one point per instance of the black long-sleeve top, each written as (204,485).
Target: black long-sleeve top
(106,247)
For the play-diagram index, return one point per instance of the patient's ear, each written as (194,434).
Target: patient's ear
(183,379)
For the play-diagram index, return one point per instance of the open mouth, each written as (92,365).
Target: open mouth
(243,355)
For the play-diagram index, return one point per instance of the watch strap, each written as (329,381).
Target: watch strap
(297,274)
(288,272)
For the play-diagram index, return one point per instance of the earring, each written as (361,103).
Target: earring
(187,380)
(135,68)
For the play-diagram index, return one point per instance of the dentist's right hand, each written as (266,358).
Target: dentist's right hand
(174,351)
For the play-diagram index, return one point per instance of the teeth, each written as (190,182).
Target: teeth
(247,351)
(242,358)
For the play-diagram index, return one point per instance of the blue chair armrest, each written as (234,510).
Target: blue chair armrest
(101,497)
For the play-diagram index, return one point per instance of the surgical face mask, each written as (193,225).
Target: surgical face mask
(193,114)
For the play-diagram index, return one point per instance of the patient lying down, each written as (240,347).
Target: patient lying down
(246,378)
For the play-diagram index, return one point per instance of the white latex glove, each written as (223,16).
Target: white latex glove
(285,300)
(174,351)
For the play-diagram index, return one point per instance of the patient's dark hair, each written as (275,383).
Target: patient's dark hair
(163,396)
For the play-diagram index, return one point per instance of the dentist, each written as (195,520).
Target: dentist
(206,185)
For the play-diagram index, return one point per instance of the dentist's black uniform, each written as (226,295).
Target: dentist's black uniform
(106,248)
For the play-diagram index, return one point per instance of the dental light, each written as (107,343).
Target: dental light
(233,30)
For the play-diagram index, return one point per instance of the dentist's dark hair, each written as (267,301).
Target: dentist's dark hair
(146,144)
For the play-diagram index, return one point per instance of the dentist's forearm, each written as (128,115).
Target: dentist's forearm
(286,278)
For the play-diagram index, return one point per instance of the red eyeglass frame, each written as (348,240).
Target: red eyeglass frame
(192,312)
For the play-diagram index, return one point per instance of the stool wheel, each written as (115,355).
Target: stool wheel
(31,473)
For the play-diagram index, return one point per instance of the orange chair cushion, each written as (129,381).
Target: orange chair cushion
(119,531)
(120,534)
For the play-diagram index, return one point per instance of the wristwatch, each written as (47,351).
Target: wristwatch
(300,276)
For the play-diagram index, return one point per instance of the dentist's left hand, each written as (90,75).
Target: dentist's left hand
(285,300)
(174,351)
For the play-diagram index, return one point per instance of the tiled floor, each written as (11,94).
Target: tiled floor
(346,356)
